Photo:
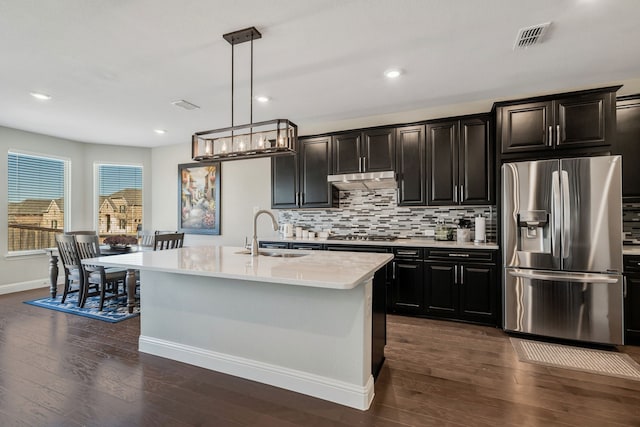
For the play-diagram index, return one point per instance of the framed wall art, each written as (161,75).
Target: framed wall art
(199,198)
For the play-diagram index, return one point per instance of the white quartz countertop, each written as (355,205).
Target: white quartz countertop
(631,250)
(415,242)
(320,269)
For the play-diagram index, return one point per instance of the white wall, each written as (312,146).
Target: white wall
(245,184)
(25,272)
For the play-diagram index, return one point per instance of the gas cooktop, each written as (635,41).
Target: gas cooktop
(372,238)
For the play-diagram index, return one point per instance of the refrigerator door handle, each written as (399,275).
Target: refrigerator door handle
(566,215)
(555,214)
(580,278)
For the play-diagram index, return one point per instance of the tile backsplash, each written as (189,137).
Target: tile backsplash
(631,223)
(376,213)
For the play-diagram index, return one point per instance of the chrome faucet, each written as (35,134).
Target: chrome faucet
(254,242)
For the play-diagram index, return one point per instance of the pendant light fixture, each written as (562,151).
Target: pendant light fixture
(268,138)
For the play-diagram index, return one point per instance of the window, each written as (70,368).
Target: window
(36,205)
(120,198)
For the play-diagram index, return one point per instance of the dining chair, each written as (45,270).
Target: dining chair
(98,280)
(168,241)
(73,271)
(146,239)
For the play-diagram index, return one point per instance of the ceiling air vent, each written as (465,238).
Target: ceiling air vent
(185,104)
(530,35)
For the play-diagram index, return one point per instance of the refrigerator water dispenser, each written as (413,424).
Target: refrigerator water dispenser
(533,231)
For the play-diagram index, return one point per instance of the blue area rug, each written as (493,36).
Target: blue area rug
(114,310)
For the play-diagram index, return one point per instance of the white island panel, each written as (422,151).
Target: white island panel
(300,323)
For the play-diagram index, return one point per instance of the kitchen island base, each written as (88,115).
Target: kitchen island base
(312,340)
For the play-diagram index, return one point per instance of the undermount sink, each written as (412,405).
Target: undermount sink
(276,254)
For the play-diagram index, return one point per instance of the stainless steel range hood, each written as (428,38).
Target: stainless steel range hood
(364,181)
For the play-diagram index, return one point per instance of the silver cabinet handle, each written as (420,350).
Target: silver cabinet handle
(455,193)
(461,193)
(462,274)
(411,253)
(557,134)
(364,164)
(624,286)
(550,141)
(393,273)
(359,164)
(455,274)
(458,255)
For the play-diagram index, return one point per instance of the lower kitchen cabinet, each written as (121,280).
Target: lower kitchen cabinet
(407,272)
(632,300)
(462,290)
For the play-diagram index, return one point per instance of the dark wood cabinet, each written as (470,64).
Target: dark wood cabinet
(300,181)
(284,182)
(372,150)
(460,162)
(462,290)
(410,165)
(632,299)
(563,121)
(407,291)
(628,145)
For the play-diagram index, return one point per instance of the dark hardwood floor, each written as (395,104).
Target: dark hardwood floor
(64,370)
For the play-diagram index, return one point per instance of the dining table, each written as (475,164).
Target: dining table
(105,250)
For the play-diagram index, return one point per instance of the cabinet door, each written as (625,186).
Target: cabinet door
(379,150)
(442,163)
(441,290)
(632,308)
(315,165)
(347,157)
(584,120)
(478,292)
(408,290)
(410,163)
(525,127)
(627,144)
(284,179)
(475,163)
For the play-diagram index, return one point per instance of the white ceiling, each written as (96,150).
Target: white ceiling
(113,67)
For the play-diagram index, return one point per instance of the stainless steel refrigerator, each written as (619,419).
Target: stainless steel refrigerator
(562,248)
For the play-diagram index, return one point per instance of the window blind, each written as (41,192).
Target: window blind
(36,205)
(120,199)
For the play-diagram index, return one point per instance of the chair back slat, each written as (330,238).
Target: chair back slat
(67,250)
(168,241)
(88,245)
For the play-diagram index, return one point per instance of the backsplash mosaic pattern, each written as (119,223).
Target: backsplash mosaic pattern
(376,213)
(631,223)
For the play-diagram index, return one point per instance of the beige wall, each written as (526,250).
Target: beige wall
(245,185)
(28,271)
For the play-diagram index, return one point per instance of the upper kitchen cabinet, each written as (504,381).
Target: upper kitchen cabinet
(300,181)
(460,162)
(410,165)
(372,150)
(572,120)
(628,145)
(284,182)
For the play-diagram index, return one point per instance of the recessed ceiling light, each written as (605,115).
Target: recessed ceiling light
(262,98)
(42,96)
(393,73)
(160,131)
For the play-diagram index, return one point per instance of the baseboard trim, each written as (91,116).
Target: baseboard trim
(23,286)
(330,389)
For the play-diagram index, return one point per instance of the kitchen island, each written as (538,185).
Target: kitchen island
(302,321)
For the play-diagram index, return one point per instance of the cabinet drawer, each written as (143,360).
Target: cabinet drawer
(307,246)
(412,253)
(274,245)
(460,255)
(631,263)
